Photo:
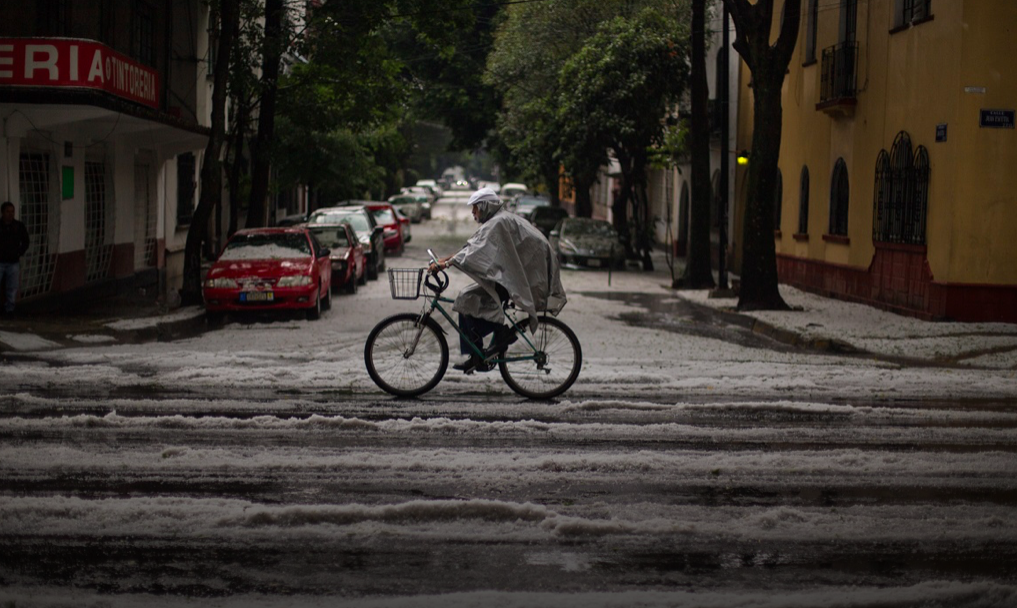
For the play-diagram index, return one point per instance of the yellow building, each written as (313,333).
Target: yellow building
(898,156)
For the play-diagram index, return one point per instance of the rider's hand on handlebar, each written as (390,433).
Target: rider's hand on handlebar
(433,268)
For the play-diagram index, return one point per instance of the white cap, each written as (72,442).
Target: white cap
(484,194)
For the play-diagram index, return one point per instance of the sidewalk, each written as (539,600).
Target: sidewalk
(832,325)
(116,320)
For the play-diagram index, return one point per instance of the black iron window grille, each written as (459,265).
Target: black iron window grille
(912,11)
(840,72)
(839,197)
(803,202)
(901,197)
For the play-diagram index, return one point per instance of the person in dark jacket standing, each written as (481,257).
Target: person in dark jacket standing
(13,245)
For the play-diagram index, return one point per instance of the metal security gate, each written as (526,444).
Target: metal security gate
(144,218)
(34,180)
(98,252)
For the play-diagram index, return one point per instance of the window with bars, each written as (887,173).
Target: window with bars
(839,197)
(97,226)
(185,188)
(34,181)
(52,18)
(145,255)
(143,33)
(901,196)
(803,202)
(908,12)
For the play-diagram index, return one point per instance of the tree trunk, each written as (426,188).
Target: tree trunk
(768,64)
(759,284)
(257,211)
(211,166)
(698,272)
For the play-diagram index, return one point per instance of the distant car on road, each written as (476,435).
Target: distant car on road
(523,205)
(511,190)
(587,242)
(269,269)
(349,264)
(545,218)
(367,229)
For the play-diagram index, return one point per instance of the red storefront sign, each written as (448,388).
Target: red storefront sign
(65,62)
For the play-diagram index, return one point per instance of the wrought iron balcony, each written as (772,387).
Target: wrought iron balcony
(839,81)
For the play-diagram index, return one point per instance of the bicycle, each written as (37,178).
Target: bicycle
(407,354)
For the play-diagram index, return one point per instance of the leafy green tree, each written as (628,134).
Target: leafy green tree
(621,86)
(768,64)
(531,45)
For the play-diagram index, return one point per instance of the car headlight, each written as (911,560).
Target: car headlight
(567,247)
(295,280)
(221,283)
(338,264)
(390,232)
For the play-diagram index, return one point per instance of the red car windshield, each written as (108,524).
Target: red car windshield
(267,247)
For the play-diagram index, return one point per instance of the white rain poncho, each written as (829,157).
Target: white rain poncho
(506,250)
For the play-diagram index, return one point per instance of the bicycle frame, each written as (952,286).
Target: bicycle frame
(436,300)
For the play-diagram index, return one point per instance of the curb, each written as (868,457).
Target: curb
(779,334)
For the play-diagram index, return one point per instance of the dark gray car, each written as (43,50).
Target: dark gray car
(367,229)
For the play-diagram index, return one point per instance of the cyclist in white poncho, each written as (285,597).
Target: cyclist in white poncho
(509,259)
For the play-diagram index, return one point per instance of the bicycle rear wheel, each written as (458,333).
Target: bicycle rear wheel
(392,366)
(551,369)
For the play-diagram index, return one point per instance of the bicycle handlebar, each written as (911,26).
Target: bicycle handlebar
(441,281)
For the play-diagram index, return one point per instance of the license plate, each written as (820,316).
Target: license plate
(257,296)
(593,262)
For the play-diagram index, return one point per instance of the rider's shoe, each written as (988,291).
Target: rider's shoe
(467,365)
(503,337)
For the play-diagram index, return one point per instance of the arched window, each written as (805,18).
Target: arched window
(839,196)
(803,202)
(778,199)
(901,194)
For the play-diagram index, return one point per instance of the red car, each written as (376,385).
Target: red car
(384,214)
(270,269)
(349,264)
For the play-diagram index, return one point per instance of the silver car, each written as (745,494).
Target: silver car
(587,242)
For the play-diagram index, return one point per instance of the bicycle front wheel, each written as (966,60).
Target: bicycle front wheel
(402,364)
(547,369)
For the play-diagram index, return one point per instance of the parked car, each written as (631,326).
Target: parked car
(406,224)
(411,205)
(349,264)
(385,215)
(426,196)
(512,190)
(431,185)
(587,242)
(545,218)
(367,229)
(523,205)
(270,269)
(291,220)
